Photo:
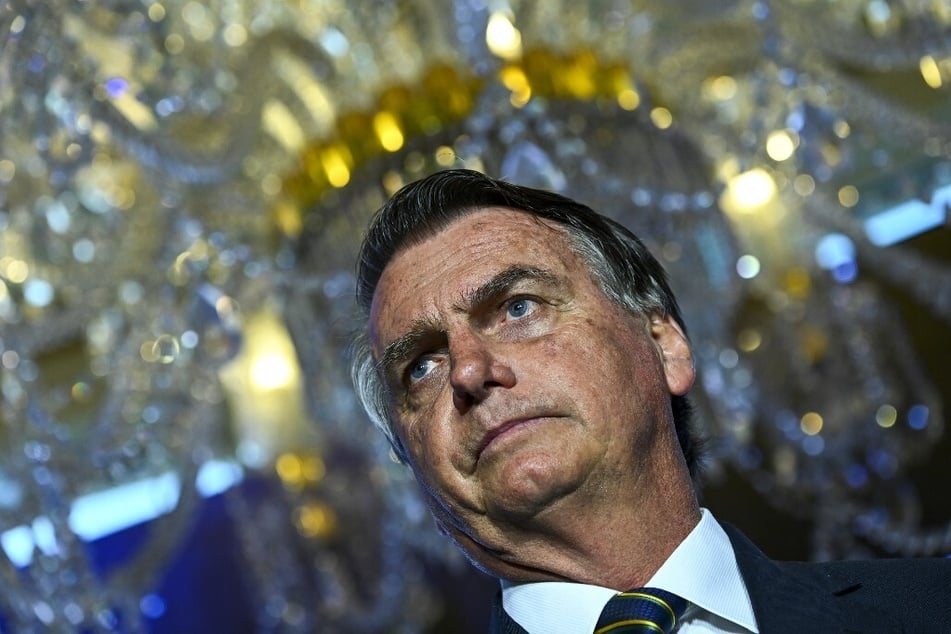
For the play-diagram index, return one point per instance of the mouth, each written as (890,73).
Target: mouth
(499,431)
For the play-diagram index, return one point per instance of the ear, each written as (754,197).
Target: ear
(675,353)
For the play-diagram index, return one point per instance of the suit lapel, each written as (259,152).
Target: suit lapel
(799,597)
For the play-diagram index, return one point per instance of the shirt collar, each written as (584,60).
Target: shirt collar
(702,570)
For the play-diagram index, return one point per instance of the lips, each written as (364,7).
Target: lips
(499,430)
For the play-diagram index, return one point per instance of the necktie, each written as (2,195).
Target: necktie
(641,610)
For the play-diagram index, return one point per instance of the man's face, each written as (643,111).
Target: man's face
(519,390)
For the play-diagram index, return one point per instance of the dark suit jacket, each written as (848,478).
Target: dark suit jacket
(881,595)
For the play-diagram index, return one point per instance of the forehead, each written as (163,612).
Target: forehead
(423,280)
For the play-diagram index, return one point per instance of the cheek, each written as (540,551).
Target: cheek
(605,365)
(427,441)
(588,350)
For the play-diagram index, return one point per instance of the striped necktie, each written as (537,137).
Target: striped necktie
(641,610)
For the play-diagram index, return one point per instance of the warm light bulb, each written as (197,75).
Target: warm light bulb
(271,372)
(930,71)
(502,38)
(751,190)
(780,145)
(388,130)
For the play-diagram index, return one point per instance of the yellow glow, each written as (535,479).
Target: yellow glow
(749,339)
(174,44)
(299,470)
(727,167)
(392,181)
(156,12)
(750,190)
(264,387)
(14,270)
(235,35)
(930,71)
(278,121)
(848,196)
(797,282)
(121,197)
(289,468)
(886,416)
(662,117)
(842,129)
(289,218)
(503,39)
(338,174)
(147,351)
(514,79)
(811,423)
(271,372)
(388,130)
(720,88)
(137,113)
(272,361)
(577,77)
(313,468)
(520,98)
(781,144)
(445,156)
(316,520)
(271,184)
(629,99)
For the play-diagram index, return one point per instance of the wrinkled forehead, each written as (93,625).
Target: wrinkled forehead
(461,255)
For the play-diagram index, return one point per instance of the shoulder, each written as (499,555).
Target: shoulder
(897,577)
(898,586)
(862,595)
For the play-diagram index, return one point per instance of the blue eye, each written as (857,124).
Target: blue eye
(520,307)
(420,368)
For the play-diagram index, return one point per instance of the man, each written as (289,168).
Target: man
(527,359)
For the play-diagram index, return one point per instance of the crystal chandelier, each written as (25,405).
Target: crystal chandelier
(184,187)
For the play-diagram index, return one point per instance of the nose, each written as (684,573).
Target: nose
(475,369)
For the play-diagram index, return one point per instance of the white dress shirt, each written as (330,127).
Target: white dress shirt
(702,570)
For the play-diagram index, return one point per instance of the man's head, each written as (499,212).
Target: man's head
(521,349)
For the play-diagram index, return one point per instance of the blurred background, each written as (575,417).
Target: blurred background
(183,187)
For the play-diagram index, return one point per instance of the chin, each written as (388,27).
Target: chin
(527,485)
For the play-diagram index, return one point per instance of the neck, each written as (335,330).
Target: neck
(616,535)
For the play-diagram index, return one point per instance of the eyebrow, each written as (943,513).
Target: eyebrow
(403,348)
(500,283)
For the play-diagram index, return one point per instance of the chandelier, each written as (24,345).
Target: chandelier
(183,188)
